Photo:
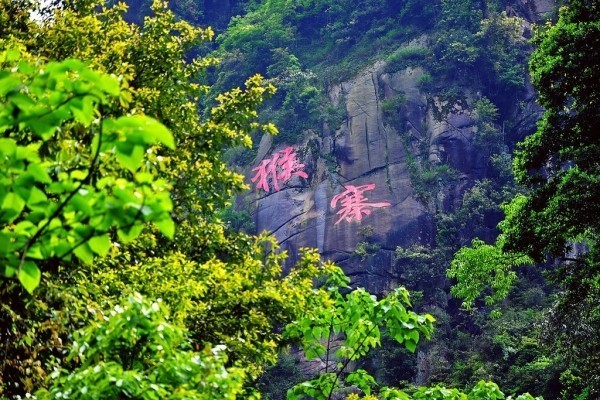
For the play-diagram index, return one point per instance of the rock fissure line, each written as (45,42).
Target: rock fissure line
(367,173)
(293,235)
(364,111)
(286,222)
(372,273)
(367,142)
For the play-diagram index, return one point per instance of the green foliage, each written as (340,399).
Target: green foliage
(559,213)
(500,36)
(210,273)
(421,268)
(488,138)
(233,274)
(391,109)
(491,50)
(235,303)
(484,265)
(460,14)
(366,249)
(508,348)
(481,208)
(571,328)
(409,56)
(425,82)
(485,110)
(258,42)
(357,319)
(60,196)
(428,179)
(482,391)
(134,352)
(300,106)
(276,380)
(457,53)
(564,201)
(237,221)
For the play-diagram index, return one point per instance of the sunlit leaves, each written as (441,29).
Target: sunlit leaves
(135,352)
(100,244)
(46,212)
(150,72)
(484,266)
(483,390)
(356,319)
(29,275)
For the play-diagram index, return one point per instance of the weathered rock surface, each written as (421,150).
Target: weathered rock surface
(365,150)
(537,10)
(369,148)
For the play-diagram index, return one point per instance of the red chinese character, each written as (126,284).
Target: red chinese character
(354,204)
(280,167)
(289,165)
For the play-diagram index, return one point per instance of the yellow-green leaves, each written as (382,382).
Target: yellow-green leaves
(356,319)
(40,100)
(55,204)
(130,136)
(12,205)
(136,352)
(29,275)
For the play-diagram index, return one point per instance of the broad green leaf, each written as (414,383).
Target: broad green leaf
(129,156)
(35,252)
(106,83)
(29,275)
(128,234)
(8,84)
(362,380)
(83,110)
(29,152)
(63,250)
(149,130)
(166,227)
(412,336)
(11,207)
(84,253)
(8,271)
(41,127)
(100,244)
(39,173)
(5,243)
(25,227)
(22,101)
(144,177)
(12,55)
(410,345)
(8,147)
(25,68)
(79,175)
(22,185)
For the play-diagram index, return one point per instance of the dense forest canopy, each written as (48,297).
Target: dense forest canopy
(130,262)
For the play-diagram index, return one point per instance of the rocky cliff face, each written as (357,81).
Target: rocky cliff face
(394,137)
(364,150)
